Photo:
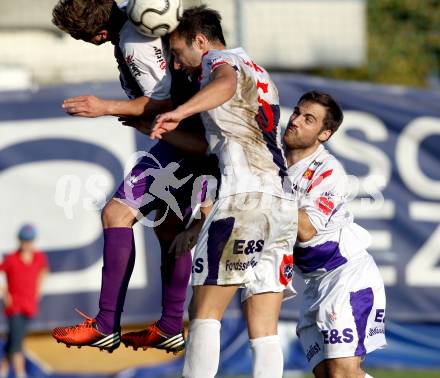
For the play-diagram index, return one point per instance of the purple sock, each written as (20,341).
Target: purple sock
(119,256)
(175,277)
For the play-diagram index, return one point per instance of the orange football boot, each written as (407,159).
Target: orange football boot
(87,334)
(153,337)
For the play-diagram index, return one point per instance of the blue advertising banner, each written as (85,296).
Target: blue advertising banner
(57,171)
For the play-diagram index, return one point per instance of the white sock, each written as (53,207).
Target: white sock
(202,349)
(268,357)
(368,376)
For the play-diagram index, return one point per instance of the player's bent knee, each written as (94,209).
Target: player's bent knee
(348,367)
(116,214)
(320,370)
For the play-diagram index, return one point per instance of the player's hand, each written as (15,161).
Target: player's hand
(165,123)
(140,124)
(186,240)
(85,106)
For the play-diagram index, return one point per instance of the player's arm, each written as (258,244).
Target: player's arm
(306,230)
(221,88)
(325,196)
(92,106)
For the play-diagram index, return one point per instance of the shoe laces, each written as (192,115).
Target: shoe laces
(145,332)
(88,322)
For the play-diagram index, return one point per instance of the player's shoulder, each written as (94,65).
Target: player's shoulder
(216,55)
(330,164)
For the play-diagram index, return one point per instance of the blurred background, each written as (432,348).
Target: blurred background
(379,58)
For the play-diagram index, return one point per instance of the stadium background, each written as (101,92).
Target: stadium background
(380,58)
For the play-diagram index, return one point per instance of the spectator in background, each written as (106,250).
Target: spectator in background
(25,270)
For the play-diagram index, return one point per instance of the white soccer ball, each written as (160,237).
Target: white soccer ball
(155,18)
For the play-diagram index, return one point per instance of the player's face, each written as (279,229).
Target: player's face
(186,58)
(305,125)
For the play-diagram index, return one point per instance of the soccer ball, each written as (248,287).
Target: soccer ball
(155,18)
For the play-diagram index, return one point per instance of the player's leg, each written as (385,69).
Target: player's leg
(272,283)
(209,301)
(342,319)
(347,367)
(340,368)
(176,271)
(262,313)
(118,217)
(228,254)
(167,332)
(203,347)
(175,274)
(119,258)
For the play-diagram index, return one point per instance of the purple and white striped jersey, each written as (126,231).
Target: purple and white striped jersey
(322,188)
(244,132)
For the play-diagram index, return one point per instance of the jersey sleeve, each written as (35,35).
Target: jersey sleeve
(147,64)
(326,194)
(217,59)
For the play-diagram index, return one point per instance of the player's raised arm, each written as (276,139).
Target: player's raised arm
(222,88)
(92,106)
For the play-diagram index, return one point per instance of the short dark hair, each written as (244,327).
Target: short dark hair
(82,19)
(201,20)
(333,117)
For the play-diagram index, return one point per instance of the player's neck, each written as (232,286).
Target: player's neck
(216,46)
(293,156)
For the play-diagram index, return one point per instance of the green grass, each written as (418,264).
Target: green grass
(399,374)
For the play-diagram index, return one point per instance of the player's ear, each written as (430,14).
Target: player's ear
(102,35)
(324,136)
(200,41)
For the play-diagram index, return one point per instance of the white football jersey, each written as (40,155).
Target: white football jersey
(142,64)
(322,188)
(244,132)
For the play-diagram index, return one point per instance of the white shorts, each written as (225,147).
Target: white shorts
(343,312)
(248,240)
